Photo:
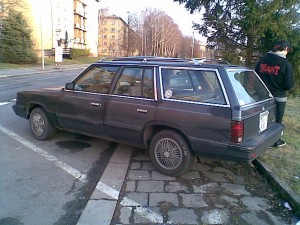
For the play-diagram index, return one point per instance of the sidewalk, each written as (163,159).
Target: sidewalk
(132,192)
(35,70)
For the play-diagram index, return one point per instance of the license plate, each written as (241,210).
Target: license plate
(263,121)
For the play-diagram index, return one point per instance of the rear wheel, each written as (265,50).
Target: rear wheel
(170,153)
(40,126)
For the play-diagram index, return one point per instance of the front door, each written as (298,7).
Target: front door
(81,109)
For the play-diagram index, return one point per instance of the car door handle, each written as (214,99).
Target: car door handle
(95,104)
(142,110)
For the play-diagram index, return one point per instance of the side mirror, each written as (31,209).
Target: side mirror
(70,86)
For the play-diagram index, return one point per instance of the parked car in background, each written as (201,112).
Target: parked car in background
(175,109)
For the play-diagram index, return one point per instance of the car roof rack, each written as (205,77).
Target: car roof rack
(151,59)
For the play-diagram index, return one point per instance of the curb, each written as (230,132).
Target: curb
(102,204)
(283,189)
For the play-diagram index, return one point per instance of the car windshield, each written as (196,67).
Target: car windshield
(248,87)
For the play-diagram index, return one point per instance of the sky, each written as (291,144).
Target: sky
(177,12)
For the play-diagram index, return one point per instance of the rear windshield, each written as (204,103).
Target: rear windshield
(248,87)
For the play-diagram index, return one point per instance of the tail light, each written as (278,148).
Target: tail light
(237,131)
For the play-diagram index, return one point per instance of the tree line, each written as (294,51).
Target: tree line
(152,32)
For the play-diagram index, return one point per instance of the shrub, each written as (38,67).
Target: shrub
(76,53)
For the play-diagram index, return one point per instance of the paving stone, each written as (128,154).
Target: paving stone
(147,166)
(183,216)
(232,176)
(193,200)
(255,203)
(136,165)
(236,189)
(216,177)
(251,218)
(176,187)
(158,176)
(200,167)
(205,188)
(215,216)
(150,186)
(139,175)
(231,201)
(155,199)
(130,186)
(148,215)
(191,175)
(276,220)
(125,214)
(141,199)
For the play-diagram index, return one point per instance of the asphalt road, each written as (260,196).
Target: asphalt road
(44,182)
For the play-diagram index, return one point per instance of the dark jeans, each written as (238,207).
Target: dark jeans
(280,107)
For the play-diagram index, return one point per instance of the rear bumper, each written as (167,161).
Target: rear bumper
(244,152)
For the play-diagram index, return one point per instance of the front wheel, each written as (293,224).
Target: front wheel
(40,126)
(170,153)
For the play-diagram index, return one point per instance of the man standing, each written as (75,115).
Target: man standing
(277,73)
(58,55)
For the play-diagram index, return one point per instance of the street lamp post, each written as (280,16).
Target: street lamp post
(42,46)
(193,45)
(128,33)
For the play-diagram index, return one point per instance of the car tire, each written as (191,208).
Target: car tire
(170,153)
(41,127)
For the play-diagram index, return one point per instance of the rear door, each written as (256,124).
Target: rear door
(131,106)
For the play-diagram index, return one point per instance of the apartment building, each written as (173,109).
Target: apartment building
(113,35)
(73,22)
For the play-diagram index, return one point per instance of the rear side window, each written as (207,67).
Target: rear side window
(192,85)
(248,87)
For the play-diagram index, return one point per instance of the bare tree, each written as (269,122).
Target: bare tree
(5,5)
(153,32)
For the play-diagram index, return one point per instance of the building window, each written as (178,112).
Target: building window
(113,36)
(112,30)
(104,36)
(104,29)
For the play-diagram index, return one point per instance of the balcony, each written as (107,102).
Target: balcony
(80,12)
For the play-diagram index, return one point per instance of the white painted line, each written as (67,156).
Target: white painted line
(70,170)
(4,103)
(47,78)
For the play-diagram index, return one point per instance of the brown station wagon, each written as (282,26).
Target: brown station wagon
(175,109)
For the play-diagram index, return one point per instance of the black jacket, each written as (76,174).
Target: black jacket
(277,73)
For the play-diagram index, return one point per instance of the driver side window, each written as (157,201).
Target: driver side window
(96,80)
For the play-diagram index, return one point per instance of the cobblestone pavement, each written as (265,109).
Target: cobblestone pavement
(212,192)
